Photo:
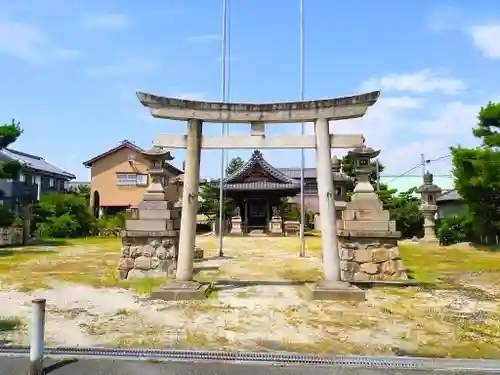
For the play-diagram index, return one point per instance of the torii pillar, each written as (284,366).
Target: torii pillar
(320,112)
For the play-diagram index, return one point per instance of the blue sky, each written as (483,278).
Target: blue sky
(70,70)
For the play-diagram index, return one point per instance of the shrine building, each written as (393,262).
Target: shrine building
(257,189)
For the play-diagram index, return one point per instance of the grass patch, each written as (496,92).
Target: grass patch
(200,340)
(433,263)
(123,312)
(298,270)
(10,324)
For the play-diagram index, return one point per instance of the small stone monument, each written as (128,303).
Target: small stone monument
(150,239)
(368,240)
(276,223)
(429,192)
(236,228)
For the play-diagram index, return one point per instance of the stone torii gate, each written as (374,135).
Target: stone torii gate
(320,112)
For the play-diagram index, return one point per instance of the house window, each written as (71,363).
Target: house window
(131,179)
(22,177)
(61,184)
(142,179)
(51,182)
(311,188)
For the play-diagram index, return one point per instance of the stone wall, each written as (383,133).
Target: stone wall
(11,236)
(371,259)
(154,258)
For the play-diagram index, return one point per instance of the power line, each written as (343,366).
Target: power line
(428,161)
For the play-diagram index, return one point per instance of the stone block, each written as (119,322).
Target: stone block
(154,214)
(369,268)
(125,251)
(365,225)
(365,204)
(394,253)
(363,256)
(181,290)
(380,255)
(125,264)
(146,225)
(155,205)
(142,263)
(361,276)
(335,291)
(351,215)
(350,267)
(347,254)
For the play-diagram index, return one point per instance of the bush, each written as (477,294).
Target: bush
(60,227)
(110,225)
(454,229)
(7,217)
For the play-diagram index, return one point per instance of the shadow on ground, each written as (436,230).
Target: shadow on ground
(58,365)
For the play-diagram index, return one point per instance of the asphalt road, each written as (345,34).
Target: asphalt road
(19,366)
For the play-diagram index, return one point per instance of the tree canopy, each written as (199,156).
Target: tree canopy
(209,194)
(477,172)
(9,133)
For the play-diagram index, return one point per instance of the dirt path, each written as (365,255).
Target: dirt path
(274,316)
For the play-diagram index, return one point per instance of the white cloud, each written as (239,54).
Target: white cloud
(424,81)
(107,21)
(124,67)
(487,39)
(202,38)
(445,19)
(31,44)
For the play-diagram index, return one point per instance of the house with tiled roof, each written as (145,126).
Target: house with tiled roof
(119,179)
(450,203)
(36,177)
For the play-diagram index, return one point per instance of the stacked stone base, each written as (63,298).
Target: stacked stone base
(147,257)
(370,258)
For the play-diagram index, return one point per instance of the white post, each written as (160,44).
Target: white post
(37,336)
(190,193)
(330,250)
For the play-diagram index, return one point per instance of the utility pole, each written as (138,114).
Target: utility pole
(223,131)
(303,130)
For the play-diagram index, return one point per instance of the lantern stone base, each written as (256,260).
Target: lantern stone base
(370,256)
(181,291)
(335,291)
(275,226)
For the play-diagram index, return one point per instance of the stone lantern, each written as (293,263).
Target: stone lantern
(336,164)
(362,158)
(150,240)
(157,157)
(429,192)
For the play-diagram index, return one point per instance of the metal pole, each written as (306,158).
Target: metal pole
(302,151)
(223,132)
(37,338)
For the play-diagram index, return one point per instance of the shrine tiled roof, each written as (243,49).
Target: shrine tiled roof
(257,159)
